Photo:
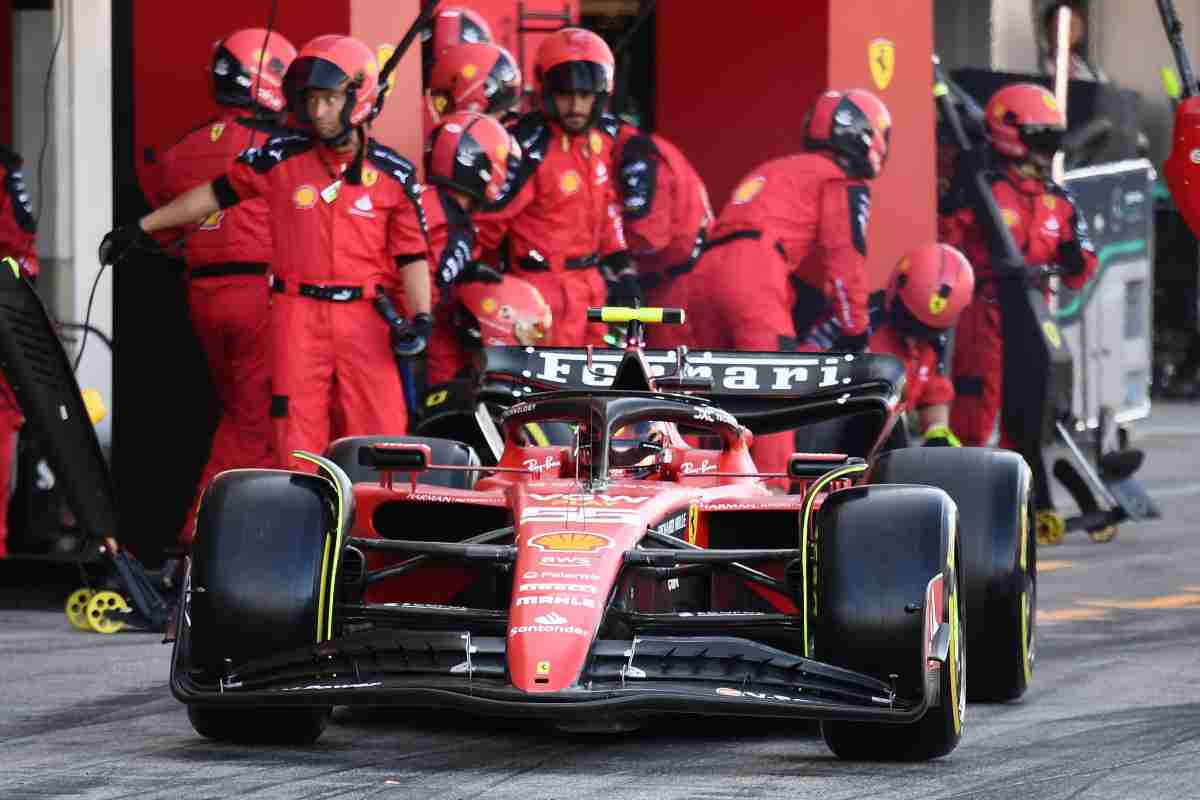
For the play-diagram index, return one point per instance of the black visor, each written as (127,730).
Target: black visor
(577,76)
(1042,138)
(500,87)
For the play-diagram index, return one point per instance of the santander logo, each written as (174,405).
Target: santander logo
(551,619)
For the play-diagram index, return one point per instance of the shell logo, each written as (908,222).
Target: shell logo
(369,177)
(570,182)
(470,71)
(305,196)
(937,304)
(501,152)
(571,542)
(216,130)
(1049,201)
(1000,111)
(596,142)
(1010,217)
(488,305)
(213,221)
(749,190)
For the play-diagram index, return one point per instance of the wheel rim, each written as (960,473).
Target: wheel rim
(1029,594)
(77,609)
(1050,527)
(99,611)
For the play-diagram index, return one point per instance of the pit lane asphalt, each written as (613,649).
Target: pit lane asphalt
(1114,710)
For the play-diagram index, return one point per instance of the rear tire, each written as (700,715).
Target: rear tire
(992,489)
(265,566)
(878,548)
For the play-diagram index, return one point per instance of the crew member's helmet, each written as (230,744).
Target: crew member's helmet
(475,77)
(929,290)
(509,313)
(471,153)
(574,60)
(237,79)
(333,62)
(1025,123)
(855,126)
(450,26)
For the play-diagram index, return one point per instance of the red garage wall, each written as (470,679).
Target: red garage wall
(733,89)
(733,86)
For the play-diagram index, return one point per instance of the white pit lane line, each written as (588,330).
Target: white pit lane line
(1183,490)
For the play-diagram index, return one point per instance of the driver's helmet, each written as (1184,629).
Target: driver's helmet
(509,313)
(638,445)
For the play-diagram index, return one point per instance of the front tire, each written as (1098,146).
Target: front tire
(878,549)
(295,726)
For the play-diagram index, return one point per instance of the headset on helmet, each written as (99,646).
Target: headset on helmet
(855,126)
(449,27)
(1024,119)
(475,77)
(929,290)
(574,60)
(236,80)
(510,313)
(333,62)
(470,153)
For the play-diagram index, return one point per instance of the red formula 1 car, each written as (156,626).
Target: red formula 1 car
(642,569)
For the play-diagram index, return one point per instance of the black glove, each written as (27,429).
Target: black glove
(120,242)
(409,339)
(479,272)
(625,291)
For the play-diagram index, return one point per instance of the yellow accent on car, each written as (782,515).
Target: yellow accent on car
(327,588)
(618,315)
(806,519)
(321,598)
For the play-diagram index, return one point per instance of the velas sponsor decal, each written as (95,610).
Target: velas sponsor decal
(585,499)
(571,542)
(325,686)
(741,694)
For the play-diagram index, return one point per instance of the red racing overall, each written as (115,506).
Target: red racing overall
(18,235)
(1047,230)
(791,240)
(667,215)
(336,242)
(561,217)
(228,256)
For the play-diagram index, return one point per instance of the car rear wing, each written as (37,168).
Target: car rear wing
(767,392)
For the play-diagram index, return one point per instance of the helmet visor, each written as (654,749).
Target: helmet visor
(1042,139)
(577,76)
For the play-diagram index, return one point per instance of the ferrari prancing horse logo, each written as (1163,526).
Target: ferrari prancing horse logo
(881,54)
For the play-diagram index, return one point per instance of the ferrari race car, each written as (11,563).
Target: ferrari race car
(642,569)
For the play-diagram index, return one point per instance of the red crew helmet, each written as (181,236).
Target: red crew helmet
(449,27)
(470,153)
(234,68)
(574,60)
(475,77)
(855,126)
(931,286)
(1024,119)
(511,312)
(331,62)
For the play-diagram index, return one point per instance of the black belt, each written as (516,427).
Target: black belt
(225,269)
(333,294)
(531,264)
(733,237)
(655,280)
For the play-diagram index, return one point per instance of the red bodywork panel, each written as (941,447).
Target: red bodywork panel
(1182,167)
